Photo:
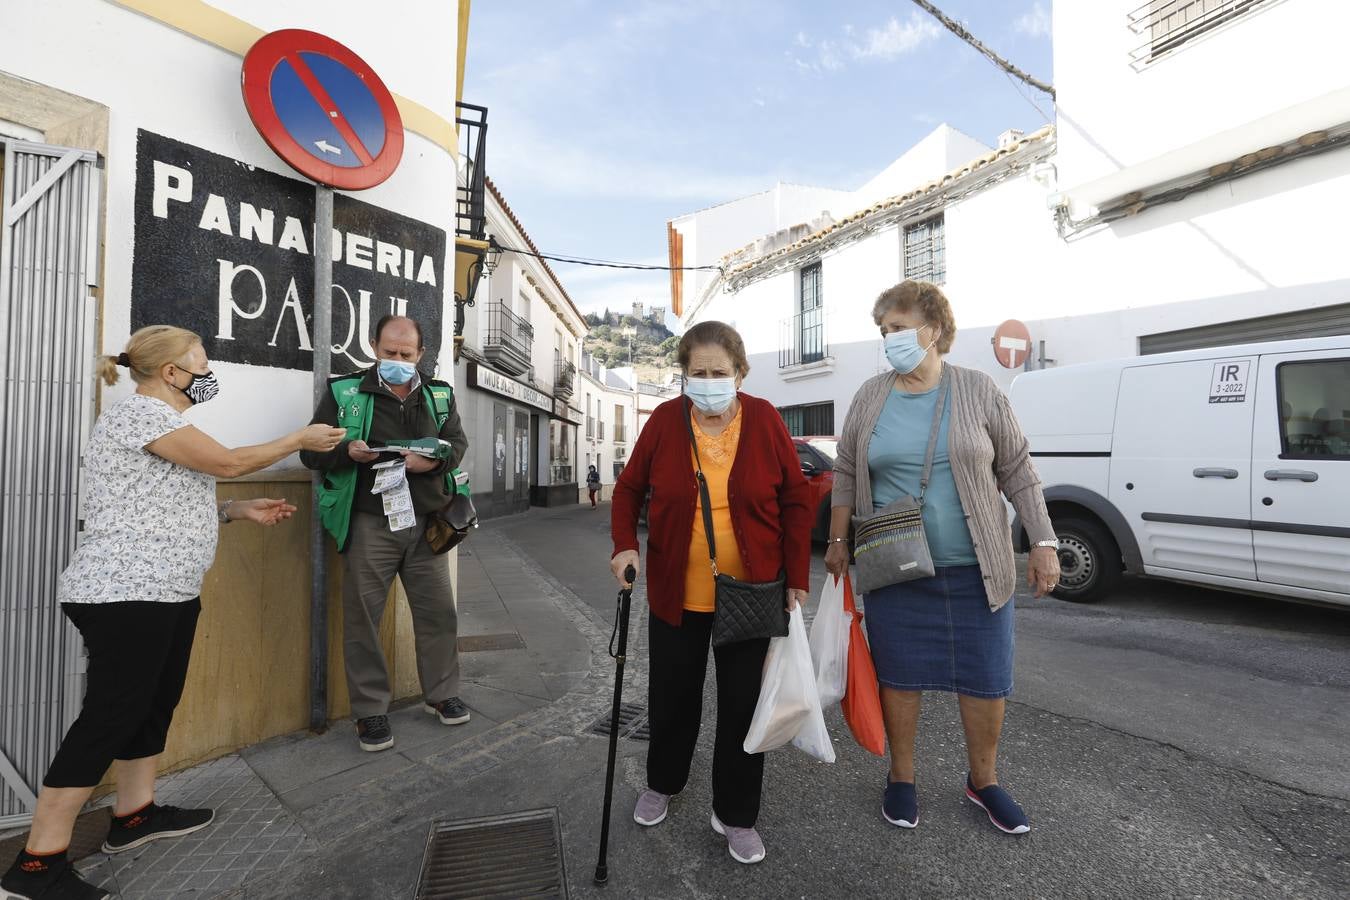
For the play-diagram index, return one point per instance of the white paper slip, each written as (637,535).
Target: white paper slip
(398,521)
(389,479)
(397,501)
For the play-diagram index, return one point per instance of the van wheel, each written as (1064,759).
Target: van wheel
(1089,561)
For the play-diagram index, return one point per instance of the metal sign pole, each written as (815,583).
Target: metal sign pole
(318,544)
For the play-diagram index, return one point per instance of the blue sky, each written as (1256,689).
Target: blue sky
(606,119)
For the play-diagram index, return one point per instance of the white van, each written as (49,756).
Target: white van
(1227,467)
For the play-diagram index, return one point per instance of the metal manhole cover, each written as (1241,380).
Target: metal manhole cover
(509,640)
(511,855)
(633,723)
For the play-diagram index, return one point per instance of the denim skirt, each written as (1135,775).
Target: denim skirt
(938,634)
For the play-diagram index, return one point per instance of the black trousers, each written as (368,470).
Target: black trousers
(138,662)
(679,661)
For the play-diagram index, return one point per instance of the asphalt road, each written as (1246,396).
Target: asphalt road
(1169,741)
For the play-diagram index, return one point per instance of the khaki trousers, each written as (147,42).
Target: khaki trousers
(374,556)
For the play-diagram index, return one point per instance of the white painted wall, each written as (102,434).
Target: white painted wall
(1111,117)
(153,77)
(941,151)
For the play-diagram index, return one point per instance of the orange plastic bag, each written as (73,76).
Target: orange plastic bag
(862,699)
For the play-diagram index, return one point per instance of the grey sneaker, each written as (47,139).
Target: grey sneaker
(743,843)
(651,808)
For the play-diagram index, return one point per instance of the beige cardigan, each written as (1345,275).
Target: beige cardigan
(989,455)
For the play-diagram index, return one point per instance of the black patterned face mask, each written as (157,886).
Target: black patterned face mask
(202,387)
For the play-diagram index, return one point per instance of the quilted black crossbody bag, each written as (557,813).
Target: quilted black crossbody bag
(745,609)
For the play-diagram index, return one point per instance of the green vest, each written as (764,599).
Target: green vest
(338,488)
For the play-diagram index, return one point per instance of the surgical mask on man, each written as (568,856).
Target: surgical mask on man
(903,351)
(711,395)
(395,371)
(201,388)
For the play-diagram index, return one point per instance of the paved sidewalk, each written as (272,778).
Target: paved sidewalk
(308,815)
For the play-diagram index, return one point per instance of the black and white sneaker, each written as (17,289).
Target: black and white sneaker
(450,712)
(374,733)
(46,878)
(152,823)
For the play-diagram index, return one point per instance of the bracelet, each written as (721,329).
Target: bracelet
(842,540)
(223,512)
(1051,544)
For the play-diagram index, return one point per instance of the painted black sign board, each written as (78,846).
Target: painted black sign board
(225,249)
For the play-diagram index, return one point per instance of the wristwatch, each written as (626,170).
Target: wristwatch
(1054,545)
(223,512)
(842,540)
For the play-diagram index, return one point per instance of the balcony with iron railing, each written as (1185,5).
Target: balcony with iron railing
(620,433)
(508,341)
(802,339)
(600,425)
(564,378)
(590,426)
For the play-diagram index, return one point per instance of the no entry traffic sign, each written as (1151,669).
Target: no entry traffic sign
(322,109)
(1012,344)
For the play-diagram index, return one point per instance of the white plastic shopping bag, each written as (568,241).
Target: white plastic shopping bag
(789,707)
(829,643)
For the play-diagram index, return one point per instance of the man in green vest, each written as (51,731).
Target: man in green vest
(391,402)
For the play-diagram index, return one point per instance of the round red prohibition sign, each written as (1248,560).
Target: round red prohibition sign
(322,109)
(1012,344)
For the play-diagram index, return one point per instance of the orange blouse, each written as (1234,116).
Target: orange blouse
(717,452)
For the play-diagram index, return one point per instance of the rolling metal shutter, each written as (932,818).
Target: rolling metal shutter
(48,261)
(1322,321)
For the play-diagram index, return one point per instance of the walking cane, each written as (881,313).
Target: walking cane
(621,631)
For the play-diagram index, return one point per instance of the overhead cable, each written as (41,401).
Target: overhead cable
(960,31)
(605,263)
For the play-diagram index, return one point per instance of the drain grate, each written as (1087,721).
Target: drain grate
(511,855)
(633,723)
(509,640)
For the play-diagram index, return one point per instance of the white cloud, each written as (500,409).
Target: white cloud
(889,42)
(896,39)
(1035,22)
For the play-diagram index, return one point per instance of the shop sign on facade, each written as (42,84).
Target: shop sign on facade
(490,380)
(226,250)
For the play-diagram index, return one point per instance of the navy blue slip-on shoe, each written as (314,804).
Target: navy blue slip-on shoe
(900,803)
(1003,810)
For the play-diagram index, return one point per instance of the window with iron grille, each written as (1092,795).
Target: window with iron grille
(1168,24)
(809,418)
(926,250)
(811,318)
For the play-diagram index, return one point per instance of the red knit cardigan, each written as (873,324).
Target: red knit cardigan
(767,494)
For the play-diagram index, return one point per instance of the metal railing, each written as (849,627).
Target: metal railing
(509,339)
(564,378)
(601,430)
(802,338)
(590,426)
(620,433)
(1168,24)
(471,196)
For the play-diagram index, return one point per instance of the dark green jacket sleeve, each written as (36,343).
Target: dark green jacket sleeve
(338,457)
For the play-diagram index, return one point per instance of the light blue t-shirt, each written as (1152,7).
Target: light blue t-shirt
(895,462)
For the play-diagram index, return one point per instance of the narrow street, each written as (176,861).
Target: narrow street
(1169,741)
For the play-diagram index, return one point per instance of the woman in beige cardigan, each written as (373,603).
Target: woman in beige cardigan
(953,631)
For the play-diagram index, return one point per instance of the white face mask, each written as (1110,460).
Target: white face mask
(710,395)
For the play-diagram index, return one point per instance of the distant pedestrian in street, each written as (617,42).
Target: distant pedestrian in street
(382,535)
(952,631)
(762,528)
(133,590)
(593,485)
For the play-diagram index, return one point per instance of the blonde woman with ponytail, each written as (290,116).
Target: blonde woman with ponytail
(133,590)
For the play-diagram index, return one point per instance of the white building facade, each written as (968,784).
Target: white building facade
(610,402)
(1188,195)
(517,376)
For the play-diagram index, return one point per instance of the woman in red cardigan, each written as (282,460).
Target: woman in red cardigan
(761,527)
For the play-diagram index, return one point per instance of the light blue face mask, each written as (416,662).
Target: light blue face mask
(396,371)
(711,395)
(903,351)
